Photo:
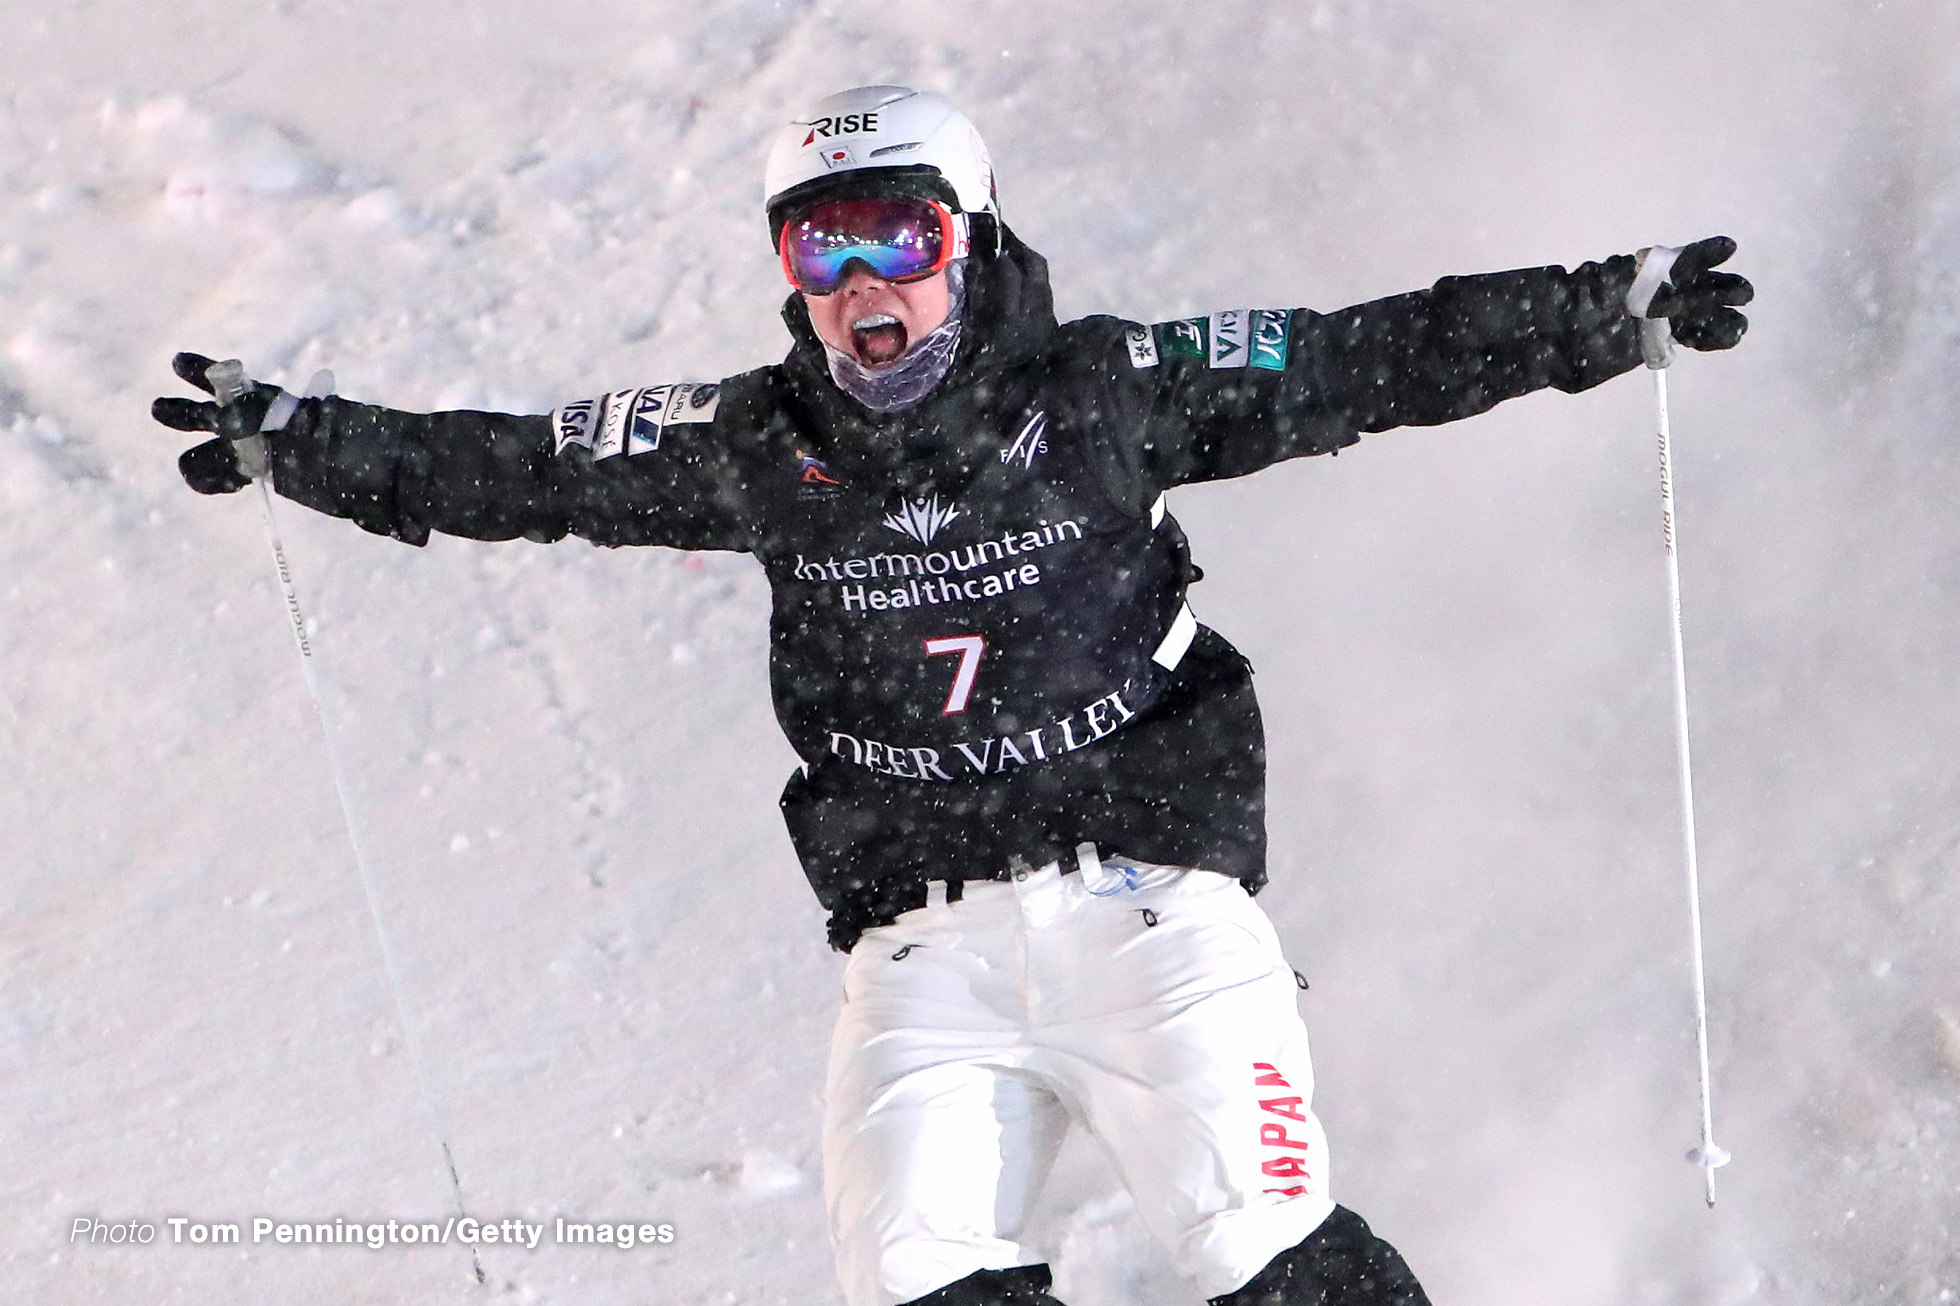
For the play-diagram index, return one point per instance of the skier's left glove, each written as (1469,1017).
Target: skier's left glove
(214,467)
(1699,303)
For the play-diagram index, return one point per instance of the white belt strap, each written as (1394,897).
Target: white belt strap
(1184,626)
(1177,642)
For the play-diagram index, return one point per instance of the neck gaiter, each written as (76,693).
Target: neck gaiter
(904,383)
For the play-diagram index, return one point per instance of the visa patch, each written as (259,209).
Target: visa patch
(1231,336)
(574,424)
(631,421)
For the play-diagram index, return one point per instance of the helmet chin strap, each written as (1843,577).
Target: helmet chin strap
(905,382)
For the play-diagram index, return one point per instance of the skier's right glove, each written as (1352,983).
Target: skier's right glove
(1699,303)
(213,467)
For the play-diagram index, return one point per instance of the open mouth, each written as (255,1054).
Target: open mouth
(878,338)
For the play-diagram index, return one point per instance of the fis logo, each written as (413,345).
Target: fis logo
(1029,442)
(843,124)
(921,518)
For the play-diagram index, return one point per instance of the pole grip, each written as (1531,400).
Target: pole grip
(1650,270)
(229,381)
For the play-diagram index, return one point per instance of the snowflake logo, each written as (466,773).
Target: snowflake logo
(921,518)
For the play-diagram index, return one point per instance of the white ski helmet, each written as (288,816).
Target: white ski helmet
(873,138)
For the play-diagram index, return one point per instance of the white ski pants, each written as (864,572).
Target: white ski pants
(1148,1004)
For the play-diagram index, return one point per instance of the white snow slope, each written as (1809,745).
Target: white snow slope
(566,755)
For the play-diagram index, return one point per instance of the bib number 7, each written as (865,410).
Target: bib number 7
(969,647)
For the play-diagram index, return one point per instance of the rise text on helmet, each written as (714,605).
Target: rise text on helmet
(878,140)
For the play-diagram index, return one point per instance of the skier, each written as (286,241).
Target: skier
(1032,792)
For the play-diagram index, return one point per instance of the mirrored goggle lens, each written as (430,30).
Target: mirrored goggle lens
(898,239)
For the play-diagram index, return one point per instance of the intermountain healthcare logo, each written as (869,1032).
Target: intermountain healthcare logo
(921,518)
(985,569)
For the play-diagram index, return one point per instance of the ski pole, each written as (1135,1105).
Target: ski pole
(1657,349)
(228,382)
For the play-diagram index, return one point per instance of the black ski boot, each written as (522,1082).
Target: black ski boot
(1341,1263)
(1025,1285)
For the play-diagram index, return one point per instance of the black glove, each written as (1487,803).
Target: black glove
(1699,303)
(213,467)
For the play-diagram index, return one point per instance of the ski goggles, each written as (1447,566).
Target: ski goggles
(898,238)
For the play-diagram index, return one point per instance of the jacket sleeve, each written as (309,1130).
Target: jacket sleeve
(657,465)
(1238,391)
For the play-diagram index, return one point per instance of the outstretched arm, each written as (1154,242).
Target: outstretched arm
(486,476)
(1240,391)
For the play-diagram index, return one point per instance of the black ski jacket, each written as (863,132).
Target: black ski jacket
(980,646)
